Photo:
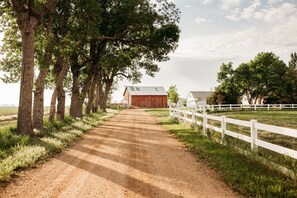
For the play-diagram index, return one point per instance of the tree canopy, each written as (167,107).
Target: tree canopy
(265,77)
(81,46)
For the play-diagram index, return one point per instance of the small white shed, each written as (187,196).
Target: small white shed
(197,98)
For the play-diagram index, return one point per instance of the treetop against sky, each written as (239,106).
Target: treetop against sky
(213,32)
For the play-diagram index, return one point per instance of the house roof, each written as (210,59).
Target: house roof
(200,94)
(146,91)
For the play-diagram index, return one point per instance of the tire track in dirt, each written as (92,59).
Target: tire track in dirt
(127,156)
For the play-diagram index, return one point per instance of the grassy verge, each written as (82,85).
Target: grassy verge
(20,151)
(244,174)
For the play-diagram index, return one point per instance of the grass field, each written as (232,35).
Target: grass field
(8,110)
(287,118)
(14,110)
(243,173)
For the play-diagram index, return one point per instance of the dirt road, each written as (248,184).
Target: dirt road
(127,156)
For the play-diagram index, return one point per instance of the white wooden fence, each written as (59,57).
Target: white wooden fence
(191,117)
(230,107)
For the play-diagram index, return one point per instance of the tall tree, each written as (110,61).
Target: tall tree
(293,61)
(45,60)
(28,15)
(137,25)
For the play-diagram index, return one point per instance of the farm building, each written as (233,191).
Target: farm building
(197,98)
(145,97)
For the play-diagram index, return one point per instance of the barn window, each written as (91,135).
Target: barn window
(132,88)
(137,89)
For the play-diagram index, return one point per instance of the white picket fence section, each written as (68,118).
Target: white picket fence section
(230,107)
(191,117)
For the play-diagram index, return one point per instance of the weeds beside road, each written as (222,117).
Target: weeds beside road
(20,151)
(246,175)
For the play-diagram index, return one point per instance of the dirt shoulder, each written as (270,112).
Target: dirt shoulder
(128,156)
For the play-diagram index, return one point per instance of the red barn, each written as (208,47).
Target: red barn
(145,97)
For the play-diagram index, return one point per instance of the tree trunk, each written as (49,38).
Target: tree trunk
(27,27)
(98,96)
(77,99)
(38,106)
(58,92)
(74,95)
(52,111)
(108,86)
(90,104)
(61,103)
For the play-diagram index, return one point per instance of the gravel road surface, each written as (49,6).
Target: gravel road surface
(128,156)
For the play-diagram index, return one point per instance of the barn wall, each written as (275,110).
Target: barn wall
(149,101)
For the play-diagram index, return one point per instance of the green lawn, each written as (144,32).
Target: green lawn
(284,118)
(245,174)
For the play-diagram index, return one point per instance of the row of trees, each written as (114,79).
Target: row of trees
(266,77)
(81,46)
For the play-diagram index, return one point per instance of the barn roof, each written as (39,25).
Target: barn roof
(200,94)
(146,91)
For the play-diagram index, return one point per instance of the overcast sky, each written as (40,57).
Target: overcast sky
(213,32)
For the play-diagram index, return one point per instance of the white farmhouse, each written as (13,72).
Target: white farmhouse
(197,98)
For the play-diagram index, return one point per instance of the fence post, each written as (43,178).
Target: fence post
(178,114)
(268,106)
(280,106)
(204,123)
(223,127)
(193,117)
(255,107)
(230,107)
(254,135)
(185,115)
(212,107)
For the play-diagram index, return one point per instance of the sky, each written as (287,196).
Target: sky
(213,32)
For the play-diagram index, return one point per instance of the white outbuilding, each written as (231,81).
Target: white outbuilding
(197,98)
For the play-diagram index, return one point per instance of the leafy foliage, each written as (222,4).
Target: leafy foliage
(173,95)
(265,77)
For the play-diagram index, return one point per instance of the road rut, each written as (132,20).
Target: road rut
(128,156)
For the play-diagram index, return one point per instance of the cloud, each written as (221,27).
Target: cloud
(274,11)
(242,45)
(188,6)
(206,1)
(280,13)
(273,2)
(202,20)
(227,4)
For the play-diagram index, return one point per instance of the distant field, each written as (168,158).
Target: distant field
(8,110)
(279,118)
(14,110)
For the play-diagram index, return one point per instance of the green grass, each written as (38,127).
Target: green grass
(285,118)
(8,110)
(243,173)
(20,151)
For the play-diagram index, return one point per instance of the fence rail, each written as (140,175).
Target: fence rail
(203,120)
(224,107)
